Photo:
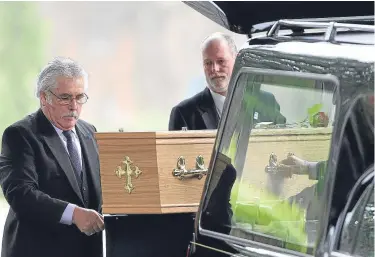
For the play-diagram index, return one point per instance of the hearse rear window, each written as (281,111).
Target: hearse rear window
(269,171)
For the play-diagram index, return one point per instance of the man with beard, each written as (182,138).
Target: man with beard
(50,172)
(204,110)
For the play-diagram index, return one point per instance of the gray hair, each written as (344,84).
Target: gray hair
(222,37)
(59,67)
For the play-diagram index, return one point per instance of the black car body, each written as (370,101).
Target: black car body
(320,70)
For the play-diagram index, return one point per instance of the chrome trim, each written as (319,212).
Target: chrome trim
(253,247)
(337,254)
(211,248)
(308,24)
(274,29)
(330,33)
(338,19)
(330,26)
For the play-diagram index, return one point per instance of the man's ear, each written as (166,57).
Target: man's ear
(43,98)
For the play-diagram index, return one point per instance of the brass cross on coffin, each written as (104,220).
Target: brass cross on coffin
(129,170)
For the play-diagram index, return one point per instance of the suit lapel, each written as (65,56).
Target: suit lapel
(89,155)
(208,110)
(54,143)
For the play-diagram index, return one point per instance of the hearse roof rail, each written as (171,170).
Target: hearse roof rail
(331,26)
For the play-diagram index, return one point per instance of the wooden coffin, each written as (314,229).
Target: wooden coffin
(138,173)
(310,144)
(154,156)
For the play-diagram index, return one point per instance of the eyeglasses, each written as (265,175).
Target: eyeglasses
(66,99)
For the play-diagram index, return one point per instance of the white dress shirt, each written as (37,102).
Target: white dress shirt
(219,102)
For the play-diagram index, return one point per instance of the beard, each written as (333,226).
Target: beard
(218,86)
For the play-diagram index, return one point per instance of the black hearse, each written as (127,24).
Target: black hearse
(304,187)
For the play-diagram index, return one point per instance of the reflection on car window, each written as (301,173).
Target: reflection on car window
(365,244)
(357,237)
(267,183)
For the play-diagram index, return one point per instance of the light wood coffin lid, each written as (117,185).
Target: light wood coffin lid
(155,153)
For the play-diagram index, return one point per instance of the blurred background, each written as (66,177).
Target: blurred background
(142,58)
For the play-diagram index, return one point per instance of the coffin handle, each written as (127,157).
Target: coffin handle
(181,172)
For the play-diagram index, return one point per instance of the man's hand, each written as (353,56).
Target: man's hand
(88,221)
(278,170)
(295,164)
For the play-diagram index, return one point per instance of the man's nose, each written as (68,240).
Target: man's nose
(215,67)
(73,104)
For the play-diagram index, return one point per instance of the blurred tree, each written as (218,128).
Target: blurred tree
(22,35)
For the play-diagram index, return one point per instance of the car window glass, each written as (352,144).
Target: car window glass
(256,191)
(357,237)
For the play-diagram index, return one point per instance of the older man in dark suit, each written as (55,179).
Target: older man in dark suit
(50,172)
(203,111)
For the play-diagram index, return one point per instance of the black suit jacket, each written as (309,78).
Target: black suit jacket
(199,112)
(196,113)
(38,182)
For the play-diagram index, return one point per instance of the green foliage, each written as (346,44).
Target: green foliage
(22,36)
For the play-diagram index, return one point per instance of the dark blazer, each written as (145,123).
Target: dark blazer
(199,112)
(196,113)
(38,182)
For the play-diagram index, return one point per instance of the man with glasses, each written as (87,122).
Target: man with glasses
(49,169)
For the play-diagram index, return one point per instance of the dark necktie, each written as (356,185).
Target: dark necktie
(73,152)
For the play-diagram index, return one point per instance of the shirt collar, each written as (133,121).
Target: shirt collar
(60,131)
(218,100)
